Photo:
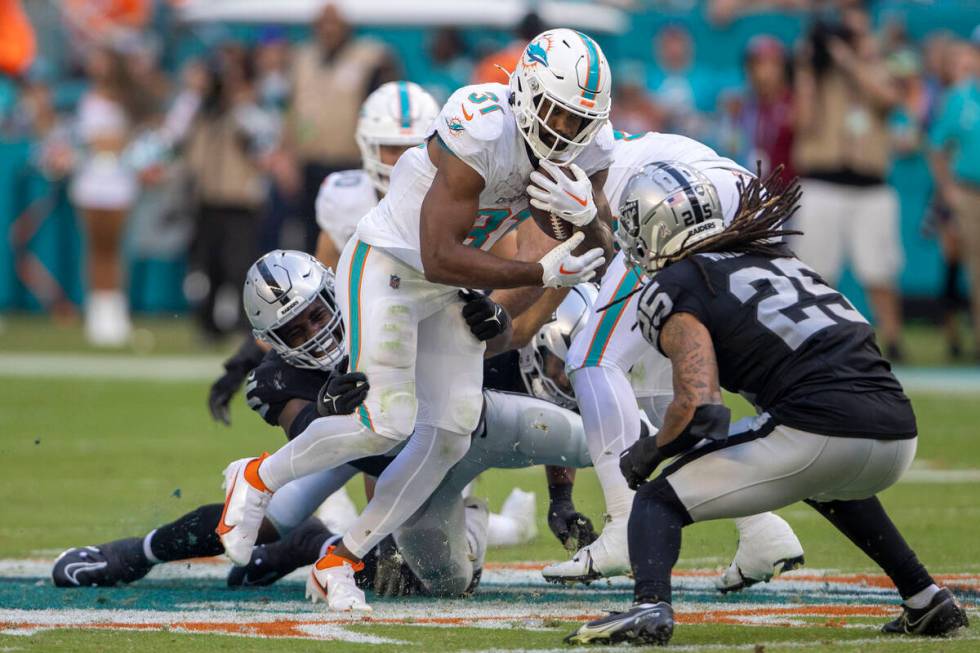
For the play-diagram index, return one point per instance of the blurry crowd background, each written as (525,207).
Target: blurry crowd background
(146,161)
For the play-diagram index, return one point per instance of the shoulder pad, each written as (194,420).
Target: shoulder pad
(342,195)
(599,154)
(468,123)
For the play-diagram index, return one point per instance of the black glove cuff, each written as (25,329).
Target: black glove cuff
(710,421)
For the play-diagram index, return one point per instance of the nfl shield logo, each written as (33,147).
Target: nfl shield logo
(394,281)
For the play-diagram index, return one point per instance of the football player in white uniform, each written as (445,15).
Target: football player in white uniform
(610,364)
(448,203)
(393,118)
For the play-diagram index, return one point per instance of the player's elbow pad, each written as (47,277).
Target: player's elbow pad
(710,422)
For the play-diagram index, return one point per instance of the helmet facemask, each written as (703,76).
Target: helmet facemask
(545,141)
(544,376)
(324,348)
(377,170)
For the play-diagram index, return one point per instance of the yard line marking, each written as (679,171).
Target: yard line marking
(102,366)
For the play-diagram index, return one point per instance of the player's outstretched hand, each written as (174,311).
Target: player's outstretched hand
(573,529)
(343,393)
(569,198)
(639,461)
(486,318)
(222,390)
(562,268)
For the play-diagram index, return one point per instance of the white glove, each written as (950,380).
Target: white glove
(561,268)
(569,199)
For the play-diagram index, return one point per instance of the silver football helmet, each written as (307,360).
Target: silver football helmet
(542,361)
(289,300)
(665,208)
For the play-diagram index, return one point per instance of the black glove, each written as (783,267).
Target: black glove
(248,357)
(486,318)
(343,393)
(573,529)
(393,576)
(639,461)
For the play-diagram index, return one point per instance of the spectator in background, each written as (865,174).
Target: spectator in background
(104,189)
(768,113)
(843,96)
(488,70)
(17,43)
(450,67)
(222,155)
(634,110)
(330,79)
(683,88)
(955,158)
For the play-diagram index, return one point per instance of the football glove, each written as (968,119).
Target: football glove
(486,318)
(248,356)
(560,268)
(639,460)
(569,199)
(343,393)
(393,576)
(573,529)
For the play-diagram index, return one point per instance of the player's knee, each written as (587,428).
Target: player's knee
(393,410)
(658,496)
(563,431)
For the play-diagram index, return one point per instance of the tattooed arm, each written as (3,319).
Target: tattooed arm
(688,345)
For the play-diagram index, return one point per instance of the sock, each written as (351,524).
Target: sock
(190,536)
(655,540)
(329,542)
(326,443)
(921,599)
(611,419)
(867,525)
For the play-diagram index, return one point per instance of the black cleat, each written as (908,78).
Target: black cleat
(272,561)
(940,618)
(645,623)
(121,561)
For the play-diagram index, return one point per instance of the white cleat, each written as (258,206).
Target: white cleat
(607,557)
(332,581)
(244,510)
(338,512)
(767,547)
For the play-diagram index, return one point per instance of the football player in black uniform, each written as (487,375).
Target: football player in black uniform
(733,308)
(291,387)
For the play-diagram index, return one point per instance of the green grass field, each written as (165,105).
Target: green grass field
(88,459)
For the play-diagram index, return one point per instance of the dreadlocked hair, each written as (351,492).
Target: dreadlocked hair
(765,204)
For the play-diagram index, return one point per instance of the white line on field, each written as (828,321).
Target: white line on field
(754,646)
(100,366)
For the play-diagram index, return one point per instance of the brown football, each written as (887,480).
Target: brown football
(549,223)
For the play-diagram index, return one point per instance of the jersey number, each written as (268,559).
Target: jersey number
(783,311)
(492,224)
(480,98)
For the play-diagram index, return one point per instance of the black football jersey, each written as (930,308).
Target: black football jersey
(796,347)
(270,386)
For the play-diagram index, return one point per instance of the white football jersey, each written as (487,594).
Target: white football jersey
(343,199)
(634,151)
(476,125)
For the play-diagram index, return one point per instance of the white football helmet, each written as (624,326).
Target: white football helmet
(567,69)
(397,113)
(283,285)
(665,208)
(553,339)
